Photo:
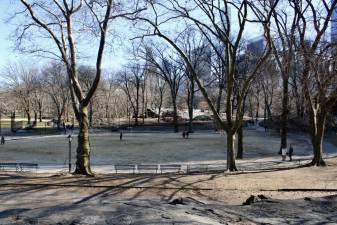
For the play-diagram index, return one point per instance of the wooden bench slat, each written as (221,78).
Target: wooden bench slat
(147,167)
(125,167)
(170,167)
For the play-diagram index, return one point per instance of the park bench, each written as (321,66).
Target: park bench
(197,168)
(202,168)
(5,166)
(125,167)
(216,167)
(170,168)
(19,167)
(147,168)
(24,166)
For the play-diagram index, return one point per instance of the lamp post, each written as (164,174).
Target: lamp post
(69,141)
(0,124)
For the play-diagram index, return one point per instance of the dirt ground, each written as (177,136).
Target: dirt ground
(24,195)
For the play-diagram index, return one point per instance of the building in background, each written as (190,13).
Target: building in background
(256,46)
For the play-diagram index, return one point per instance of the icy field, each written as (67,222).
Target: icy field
(155,148)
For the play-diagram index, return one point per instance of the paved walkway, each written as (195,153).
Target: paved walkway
(271,163)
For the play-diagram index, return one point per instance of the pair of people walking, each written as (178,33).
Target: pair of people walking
(185,134)
(289,152)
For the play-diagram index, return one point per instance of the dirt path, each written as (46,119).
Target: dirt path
(56,198)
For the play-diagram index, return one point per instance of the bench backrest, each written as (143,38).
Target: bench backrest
(170,167)
(125,167)
(29,165)
(147,167)
(8,164)
(197,168)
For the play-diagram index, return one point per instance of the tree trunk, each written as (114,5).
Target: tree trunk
(218,102)
(160,105)
(269,114)
(239,154)
(230,152)
(59,121)
(136,118)
(35,117)
(175,115)
(137,103)
(159,111)
(83,148)
(40,115)
(317,140)
(28,116)
(143,103)
(91,112)
(190,122)
(190,107)
(265,113)
(257,110)
(233,106)
(302,107)
(284,119)
(107,111)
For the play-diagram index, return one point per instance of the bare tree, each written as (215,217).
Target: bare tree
(319,70)
(132,80)
(197,50)
(295,82)
(171,70)
(38,98)
(86,76)
(60,22)
(19,80)
(160,90)
(269,84)
(283,45)
(109,90)
(55,84)
(216,26)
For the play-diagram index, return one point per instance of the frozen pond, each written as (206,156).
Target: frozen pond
(157,148)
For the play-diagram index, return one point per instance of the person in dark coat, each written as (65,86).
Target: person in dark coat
(121,136)
(184,134)
(291,152)
(64,128)
(2,140)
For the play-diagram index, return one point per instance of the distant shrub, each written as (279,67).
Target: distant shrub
(167,114)
(202,118)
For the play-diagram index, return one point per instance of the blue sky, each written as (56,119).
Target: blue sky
(9,55)
(113,58)
(6,52)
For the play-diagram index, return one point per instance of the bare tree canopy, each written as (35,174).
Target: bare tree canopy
(61,22)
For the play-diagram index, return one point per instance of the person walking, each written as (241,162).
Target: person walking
(291,152)
(64,128)
(2,140)
(121,136)
(184,134)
